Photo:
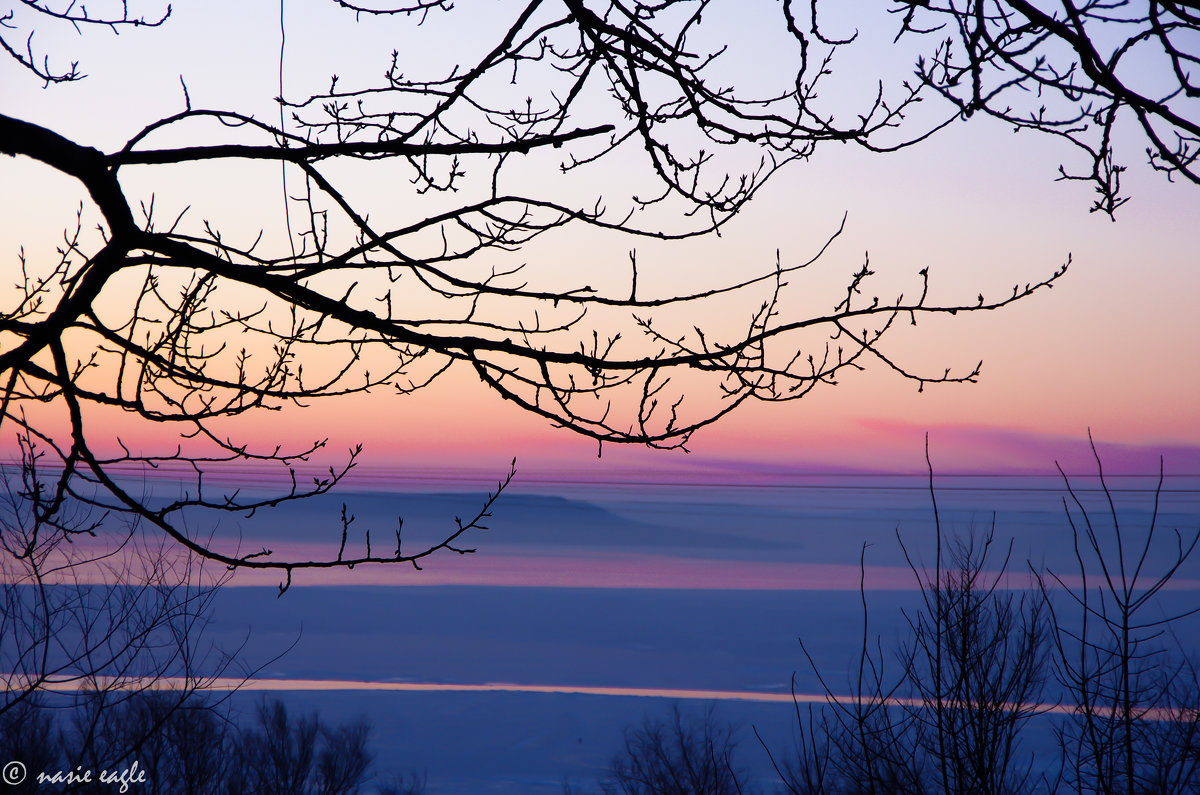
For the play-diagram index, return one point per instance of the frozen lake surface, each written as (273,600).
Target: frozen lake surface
(625,587)
(648,639)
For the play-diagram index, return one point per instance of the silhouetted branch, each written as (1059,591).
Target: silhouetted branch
(1073,70)
(209,329)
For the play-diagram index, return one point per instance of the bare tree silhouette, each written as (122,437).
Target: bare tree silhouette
(103,645)
(949,720)
(208,329)
(179,741)
(175,743)
(281,754)
(953,715)
(1072,69)
(683,754)
(116,615)
(1135,694)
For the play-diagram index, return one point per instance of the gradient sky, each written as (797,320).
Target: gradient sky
(1114,346)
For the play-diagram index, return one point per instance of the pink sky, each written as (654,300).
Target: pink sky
(1113,347)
